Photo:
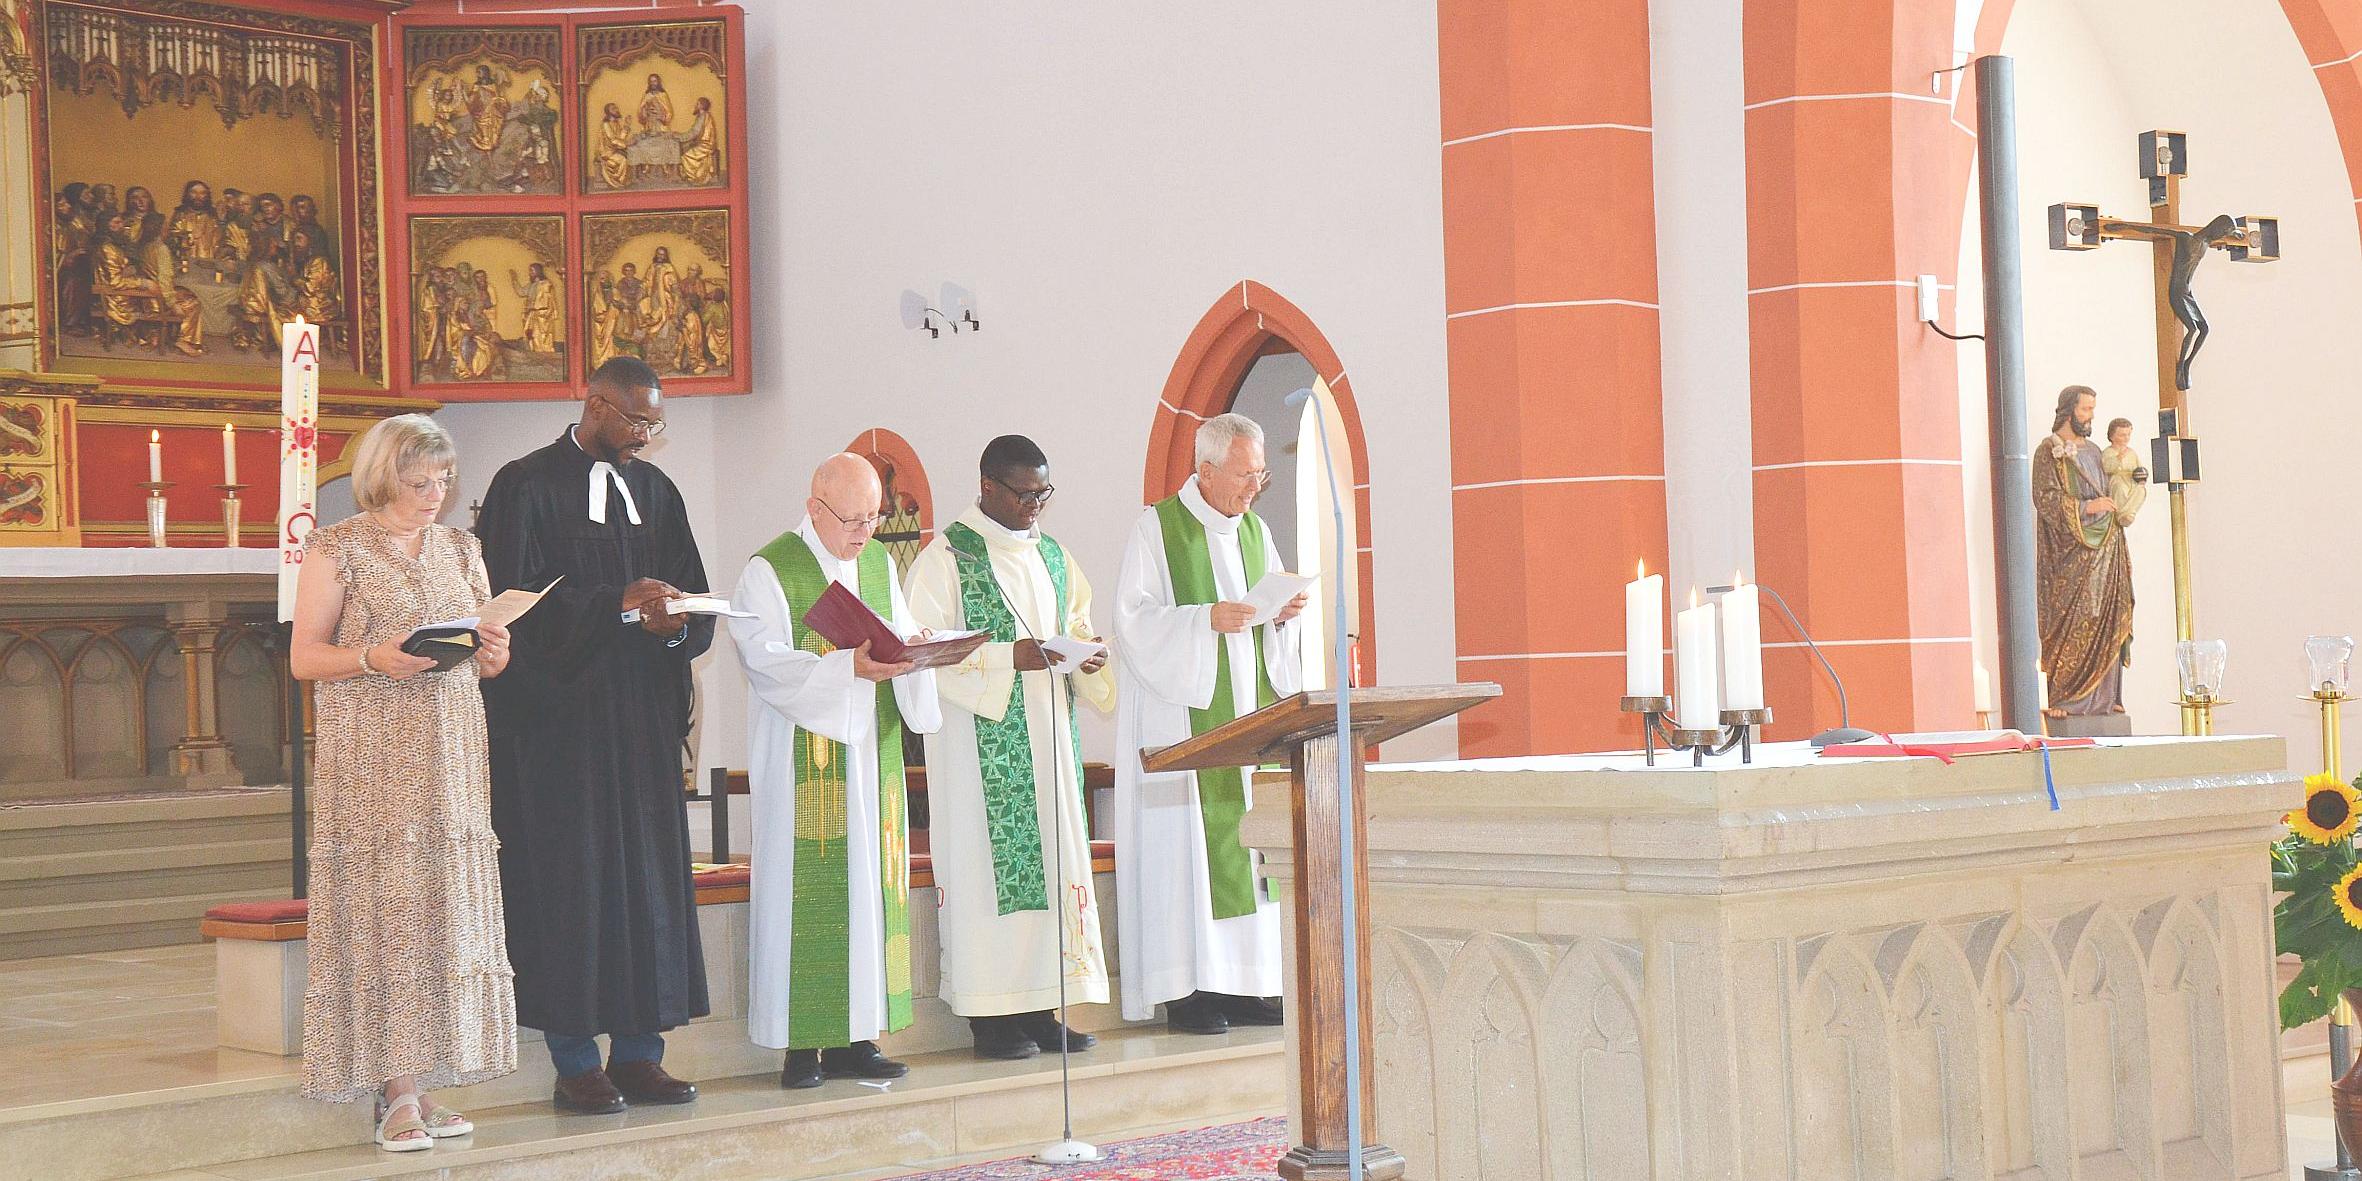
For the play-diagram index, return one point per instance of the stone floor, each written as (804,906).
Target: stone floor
(106,1024)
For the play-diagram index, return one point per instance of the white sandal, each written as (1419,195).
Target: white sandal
(390,1129)
(442,1123)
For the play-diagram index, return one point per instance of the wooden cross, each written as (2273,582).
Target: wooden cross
(2181,328)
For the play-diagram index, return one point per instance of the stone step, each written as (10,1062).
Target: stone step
(104,875)
(199,818)
(743,1126)
(256,868)
(76,926)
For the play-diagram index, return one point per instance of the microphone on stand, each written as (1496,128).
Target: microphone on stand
(1067,1150)
(1349,936)
(1845,731)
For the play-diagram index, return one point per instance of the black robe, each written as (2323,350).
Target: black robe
(587,726)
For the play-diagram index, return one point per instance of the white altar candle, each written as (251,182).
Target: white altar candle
(1742,646)
(229,454)
(1644,634)
(1697,705)
(155,457)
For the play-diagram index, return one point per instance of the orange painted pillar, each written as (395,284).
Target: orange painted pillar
(1859,516)
(1550,288)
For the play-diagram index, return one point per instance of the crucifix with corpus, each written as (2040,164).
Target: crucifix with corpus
(2181,327)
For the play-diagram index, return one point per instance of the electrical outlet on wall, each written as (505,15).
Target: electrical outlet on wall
(1927,299)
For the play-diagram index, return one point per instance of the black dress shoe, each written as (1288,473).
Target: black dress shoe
(590,1092)
(1045,1030)
(1002,1039)
(1199,1012)
(646,1082)
(1251,1010)
(802,1070)
(860,1060)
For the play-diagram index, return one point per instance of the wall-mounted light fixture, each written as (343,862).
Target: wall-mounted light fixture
(954,309)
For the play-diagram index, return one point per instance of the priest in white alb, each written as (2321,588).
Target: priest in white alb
(1007,826)
(829,915)
(1196,930)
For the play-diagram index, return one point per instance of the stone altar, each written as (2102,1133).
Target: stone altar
(1812,970)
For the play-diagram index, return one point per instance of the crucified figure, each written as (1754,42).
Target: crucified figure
(2189,249)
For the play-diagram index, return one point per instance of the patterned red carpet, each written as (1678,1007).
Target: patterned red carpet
(1232,1152)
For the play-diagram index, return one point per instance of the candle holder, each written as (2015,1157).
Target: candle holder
(1652,711)
(1737,730)
(2198,707)
(229,513)
(156,490)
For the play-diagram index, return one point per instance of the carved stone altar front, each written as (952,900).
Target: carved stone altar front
(1820,970)
(134,670)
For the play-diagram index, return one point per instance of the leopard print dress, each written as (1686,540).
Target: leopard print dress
(409,961)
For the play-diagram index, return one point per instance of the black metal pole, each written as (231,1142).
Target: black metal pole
(2005,396)
(719,791)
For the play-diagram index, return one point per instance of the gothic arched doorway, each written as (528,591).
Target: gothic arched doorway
(1248,353)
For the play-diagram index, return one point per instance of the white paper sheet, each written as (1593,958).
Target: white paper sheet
(1273,593)
(704,605)
(1066,653)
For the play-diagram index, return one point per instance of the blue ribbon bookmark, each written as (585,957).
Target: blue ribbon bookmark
(2048,784)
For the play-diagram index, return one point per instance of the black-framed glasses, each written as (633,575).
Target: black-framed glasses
(1037,498)
(646,428)
(868,522)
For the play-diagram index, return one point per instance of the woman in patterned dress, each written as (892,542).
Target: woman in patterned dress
(410,982)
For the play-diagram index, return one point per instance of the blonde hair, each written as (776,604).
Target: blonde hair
(400,445)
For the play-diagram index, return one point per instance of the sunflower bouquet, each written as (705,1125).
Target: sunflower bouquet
(2320,919)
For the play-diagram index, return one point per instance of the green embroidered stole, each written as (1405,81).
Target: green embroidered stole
(820,948)
(1221,792)
(1004,748)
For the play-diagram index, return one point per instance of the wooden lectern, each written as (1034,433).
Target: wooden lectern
(1303,730)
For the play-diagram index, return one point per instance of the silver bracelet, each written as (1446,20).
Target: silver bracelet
(365,669)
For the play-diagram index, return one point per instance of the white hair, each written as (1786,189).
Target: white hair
(1216,435)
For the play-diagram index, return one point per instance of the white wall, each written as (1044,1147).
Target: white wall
(1099,175)
(2273,551)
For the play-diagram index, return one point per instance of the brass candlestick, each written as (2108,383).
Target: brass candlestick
(2331,698)
(2199,708)
(156,490)
(229,513)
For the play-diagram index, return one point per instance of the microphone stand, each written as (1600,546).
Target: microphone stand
(1340,682)
(1066,1150)
(1845,731)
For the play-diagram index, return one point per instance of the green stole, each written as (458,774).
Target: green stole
(820,949)
(1004,748)
(1222,791)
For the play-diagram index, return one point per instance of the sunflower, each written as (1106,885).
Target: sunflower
(2349,897)
(2330,811)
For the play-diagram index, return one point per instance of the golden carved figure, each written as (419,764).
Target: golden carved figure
(701,152)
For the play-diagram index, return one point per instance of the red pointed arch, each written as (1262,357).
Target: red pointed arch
(1249,321)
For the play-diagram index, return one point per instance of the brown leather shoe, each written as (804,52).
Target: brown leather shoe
(646,1082)
(590,1092)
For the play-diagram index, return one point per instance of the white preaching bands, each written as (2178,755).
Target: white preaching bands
(598,493)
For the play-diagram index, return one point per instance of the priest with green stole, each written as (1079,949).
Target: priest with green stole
(1196,930)
(829,921)
(1008,833)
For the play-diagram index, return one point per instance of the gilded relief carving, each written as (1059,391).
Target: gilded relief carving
(654,103)
(208,170)
(658,287)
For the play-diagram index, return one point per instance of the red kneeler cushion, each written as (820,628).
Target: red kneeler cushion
(284,910)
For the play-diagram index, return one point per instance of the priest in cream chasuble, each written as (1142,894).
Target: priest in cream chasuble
(829,924)
(1196,928)
(1004,775)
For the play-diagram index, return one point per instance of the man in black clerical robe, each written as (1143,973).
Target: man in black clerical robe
(586,746)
